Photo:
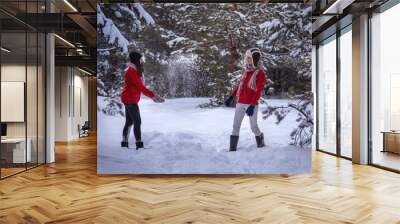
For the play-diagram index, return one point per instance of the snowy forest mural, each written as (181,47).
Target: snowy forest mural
(194,59)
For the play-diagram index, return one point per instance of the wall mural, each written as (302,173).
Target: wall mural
(204,88)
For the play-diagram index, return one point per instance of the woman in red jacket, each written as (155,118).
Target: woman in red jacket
(247,93)
(130,97)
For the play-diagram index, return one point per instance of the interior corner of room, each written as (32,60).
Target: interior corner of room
(72,102)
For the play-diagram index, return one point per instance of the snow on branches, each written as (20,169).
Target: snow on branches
(144,14)
(303,105)
(110,31)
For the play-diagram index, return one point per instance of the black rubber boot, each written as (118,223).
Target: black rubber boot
(233,143)
(124,144)
(260,141)
(139,145)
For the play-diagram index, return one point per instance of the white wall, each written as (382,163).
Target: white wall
(17,73)
(62,81)
(71,94)
(33,126)
(80,111)
(14,72)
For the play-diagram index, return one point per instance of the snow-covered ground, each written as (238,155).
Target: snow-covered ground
(185,139)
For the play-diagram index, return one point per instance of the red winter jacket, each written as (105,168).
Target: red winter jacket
(248,95)
(133,87)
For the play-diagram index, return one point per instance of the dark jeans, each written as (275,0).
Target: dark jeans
(132,117)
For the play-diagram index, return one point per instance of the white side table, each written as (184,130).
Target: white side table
(19,154)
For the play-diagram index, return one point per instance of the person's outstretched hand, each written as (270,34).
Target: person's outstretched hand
(229,101)
(158,99)
(250,110)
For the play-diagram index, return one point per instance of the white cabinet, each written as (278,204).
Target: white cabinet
(19,155)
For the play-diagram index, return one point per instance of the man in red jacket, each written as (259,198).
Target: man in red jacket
(247,93)
(130,97)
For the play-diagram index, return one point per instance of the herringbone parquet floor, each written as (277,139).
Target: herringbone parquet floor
(70,191)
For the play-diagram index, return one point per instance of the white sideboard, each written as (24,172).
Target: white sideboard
(19,153)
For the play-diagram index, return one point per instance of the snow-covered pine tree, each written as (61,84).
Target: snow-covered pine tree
(302,105)
(117,25)
(290,32)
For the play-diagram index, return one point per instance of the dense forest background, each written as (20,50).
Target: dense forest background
(196,50)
